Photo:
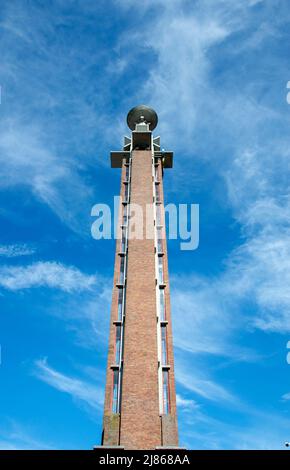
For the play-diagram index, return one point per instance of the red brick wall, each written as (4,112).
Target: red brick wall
(140,421)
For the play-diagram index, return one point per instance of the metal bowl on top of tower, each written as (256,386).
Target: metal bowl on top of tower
(142,113)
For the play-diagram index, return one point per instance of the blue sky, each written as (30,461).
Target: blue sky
(216,73)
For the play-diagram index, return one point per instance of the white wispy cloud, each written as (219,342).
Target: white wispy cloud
(286,396)
(27,159)
(80,390)
(212,313)
(13,251)
(186,403)
(253,427)
(259,267)
(45,274)
(87,315)
(179,82)
(194,380)
(215,307)
(257,270)
(14,436)
(50,122)
(260,431)
(203,310)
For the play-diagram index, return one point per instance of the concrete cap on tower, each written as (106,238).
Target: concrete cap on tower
(142,113)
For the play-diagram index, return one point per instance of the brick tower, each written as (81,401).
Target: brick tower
(140,401)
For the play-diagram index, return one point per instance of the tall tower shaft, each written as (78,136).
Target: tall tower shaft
(140,401)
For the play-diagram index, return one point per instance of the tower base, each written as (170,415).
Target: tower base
(111,432)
